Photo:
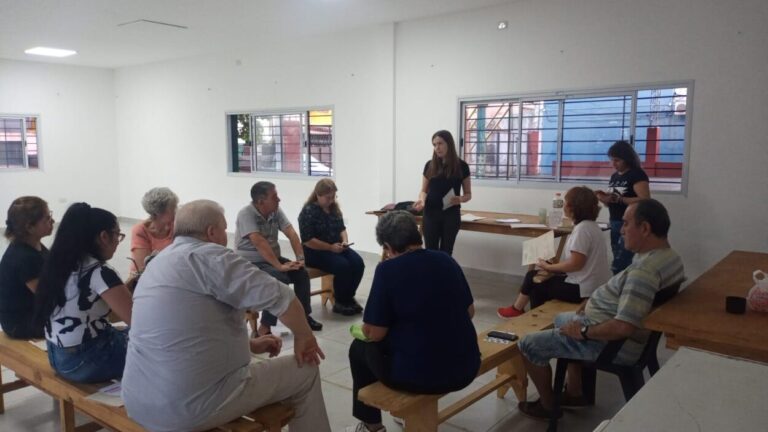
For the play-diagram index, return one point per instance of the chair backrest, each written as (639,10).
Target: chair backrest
(666,294)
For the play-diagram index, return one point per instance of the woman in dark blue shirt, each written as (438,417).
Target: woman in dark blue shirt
(629,184)
(445,173)
(326,246)
(28,221)
(418,320)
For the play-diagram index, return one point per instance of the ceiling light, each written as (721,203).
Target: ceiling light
(50,52)
(502,25)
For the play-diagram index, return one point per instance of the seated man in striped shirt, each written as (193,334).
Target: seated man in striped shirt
(614,311)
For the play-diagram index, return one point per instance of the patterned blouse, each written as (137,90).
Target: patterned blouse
(314,222)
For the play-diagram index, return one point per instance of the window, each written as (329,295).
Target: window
(299,142)
(564,137)
(18,142)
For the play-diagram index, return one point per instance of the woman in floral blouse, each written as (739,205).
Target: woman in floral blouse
(326,246)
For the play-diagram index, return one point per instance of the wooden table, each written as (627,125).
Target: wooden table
(490,226)
(731,398)
(696,317)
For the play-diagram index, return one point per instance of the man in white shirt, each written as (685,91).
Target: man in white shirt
(189,364)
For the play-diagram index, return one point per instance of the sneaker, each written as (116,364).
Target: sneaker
(535,410)
(508,312)
(314,325)
(346,310)
(361,427)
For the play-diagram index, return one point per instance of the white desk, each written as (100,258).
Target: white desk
(699,391)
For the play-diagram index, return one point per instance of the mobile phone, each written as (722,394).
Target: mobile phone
(509,336)
(349,244)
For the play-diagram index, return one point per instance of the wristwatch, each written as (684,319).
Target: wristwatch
(583,331)
(300,258)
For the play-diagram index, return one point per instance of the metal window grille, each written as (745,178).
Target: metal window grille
(565,137)
(298,142)
(19,142)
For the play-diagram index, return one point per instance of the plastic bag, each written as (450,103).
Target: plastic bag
(757,299)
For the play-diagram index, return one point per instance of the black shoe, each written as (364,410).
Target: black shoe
(346,310)
(535,410)
(356,306)
(314,325)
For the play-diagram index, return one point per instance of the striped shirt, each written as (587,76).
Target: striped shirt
(628,296)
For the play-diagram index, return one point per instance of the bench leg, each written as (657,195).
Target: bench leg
(420,418)
(326,284)
(515,368)
(67,415)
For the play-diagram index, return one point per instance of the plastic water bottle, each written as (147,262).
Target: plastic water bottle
(556,214)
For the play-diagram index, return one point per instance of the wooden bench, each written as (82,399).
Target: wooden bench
(30,363)
(420,412)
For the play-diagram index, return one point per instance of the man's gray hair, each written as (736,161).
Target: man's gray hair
(399,230)
(194,218)
(260,190)
(158,200)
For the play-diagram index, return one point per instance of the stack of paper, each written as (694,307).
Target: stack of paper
(509,221)
(469,217)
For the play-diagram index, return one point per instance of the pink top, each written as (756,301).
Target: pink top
(142,238)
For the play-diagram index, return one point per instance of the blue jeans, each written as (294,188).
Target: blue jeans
(97,360)
(346,267)
(622,258)
(543,346)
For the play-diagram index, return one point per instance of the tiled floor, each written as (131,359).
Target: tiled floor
(31,410)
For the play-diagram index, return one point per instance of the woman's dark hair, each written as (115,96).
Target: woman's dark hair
(624,151)
(399,230)
(583,204)
(450,165)
(76,238)
(24,212)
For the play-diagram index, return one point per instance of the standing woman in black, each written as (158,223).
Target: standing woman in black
(443,174)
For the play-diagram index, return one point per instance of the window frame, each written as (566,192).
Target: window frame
(519,181)
(26,167)
(305,142)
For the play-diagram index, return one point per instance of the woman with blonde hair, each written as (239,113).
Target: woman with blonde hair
(326,246)
(28,221)
(585,266)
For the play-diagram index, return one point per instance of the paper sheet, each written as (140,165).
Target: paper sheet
(447,199)
(109,395)
(509,221)
(602,225)
(469,217)
(542,246)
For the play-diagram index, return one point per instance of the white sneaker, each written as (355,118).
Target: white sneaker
(361,427)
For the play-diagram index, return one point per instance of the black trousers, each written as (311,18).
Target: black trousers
(553,288)
(300,280)
(369,363)
(440,228)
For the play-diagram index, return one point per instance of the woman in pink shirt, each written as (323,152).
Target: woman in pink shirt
(156,232)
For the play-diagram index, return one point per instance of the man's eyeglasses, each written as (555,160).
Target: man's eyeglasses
(120,236)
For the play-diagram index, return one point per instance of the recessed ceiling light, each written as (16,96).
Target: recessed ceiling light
(50,52)
(502,25)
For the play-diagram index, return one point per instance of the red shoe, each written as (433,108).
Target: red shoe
(508,312)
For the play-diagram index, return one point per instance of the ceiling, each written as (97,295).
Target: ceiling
(92,27)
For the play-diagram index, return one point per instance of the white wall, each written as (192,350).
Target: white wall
(565,44)
(171,127)
(398,84)
(77,134)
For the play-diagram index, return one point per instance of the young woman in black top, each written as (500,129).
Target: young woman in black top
(326,246)
(443,174)
(28,221)
(629,184)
